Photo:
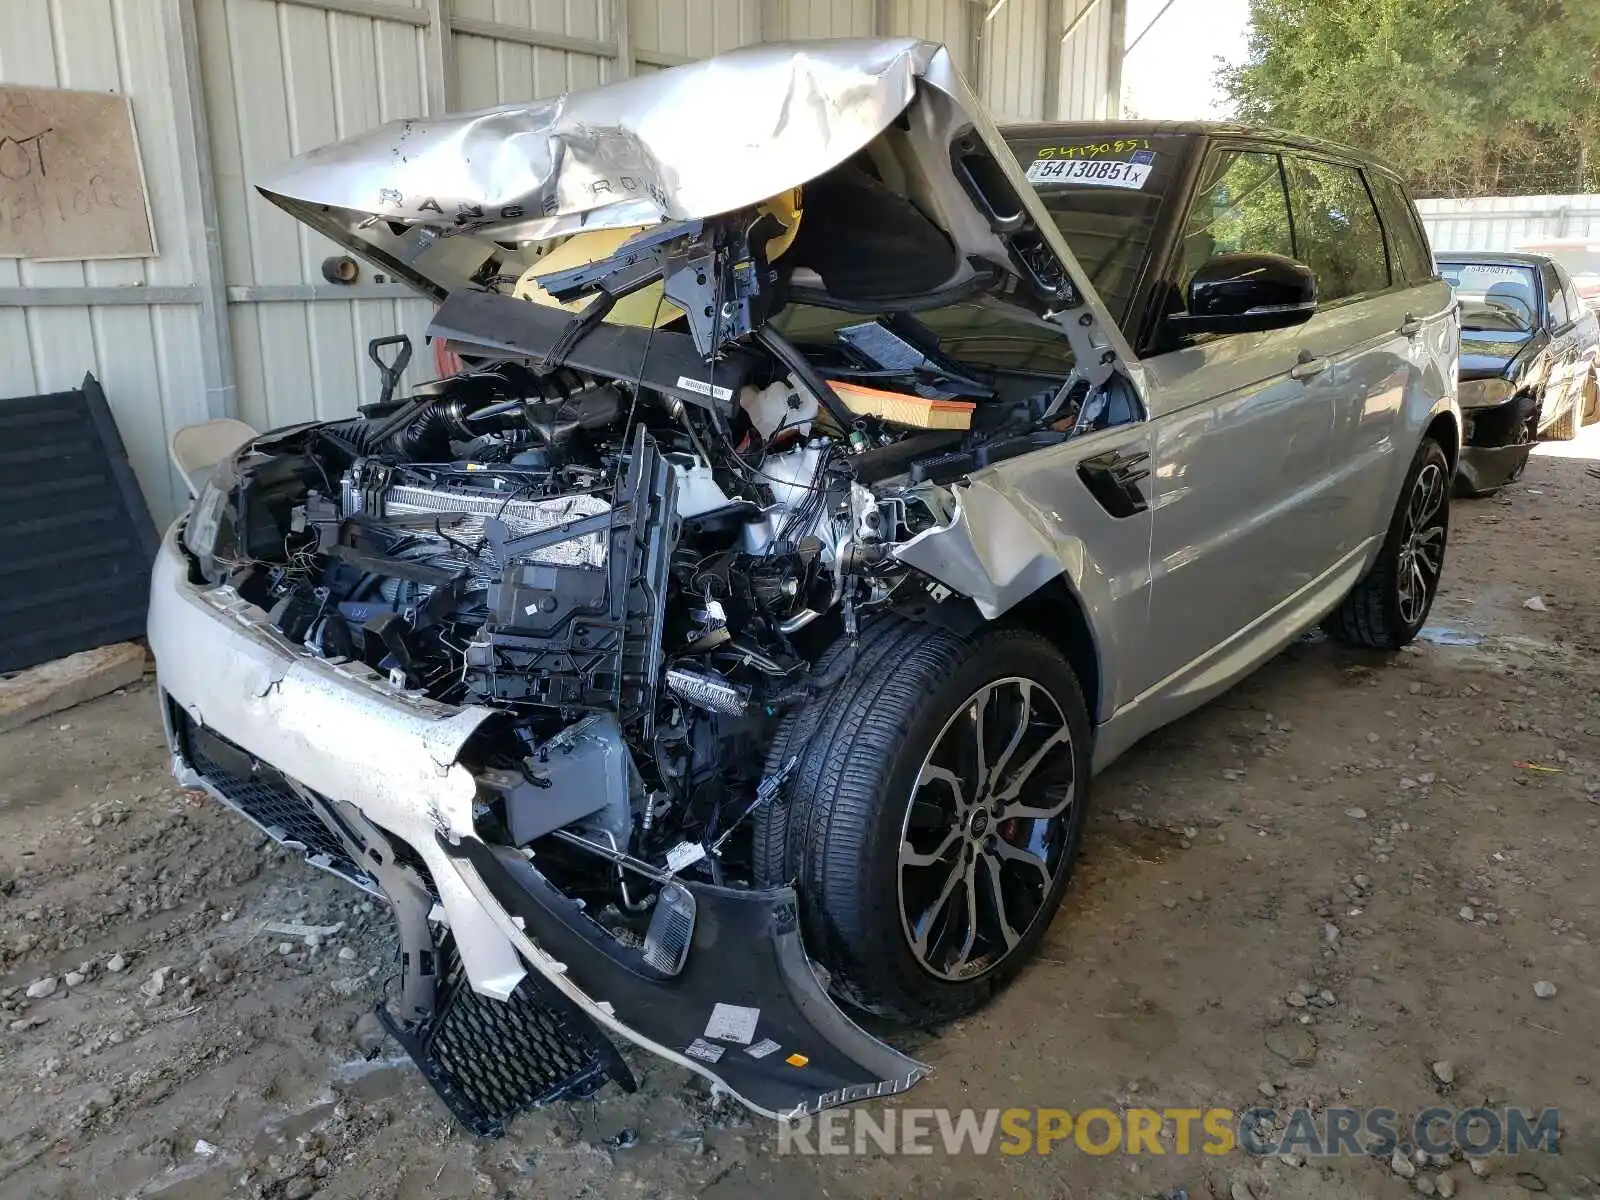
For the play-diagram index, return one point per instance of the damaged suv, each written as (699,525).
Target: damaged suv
(738,632)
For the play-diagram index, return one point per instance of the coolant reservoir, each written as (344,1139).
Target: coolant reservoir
(779,406)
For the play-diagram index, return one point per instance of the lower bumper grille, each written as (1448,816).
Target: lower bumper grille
(490,1061)
(262,793)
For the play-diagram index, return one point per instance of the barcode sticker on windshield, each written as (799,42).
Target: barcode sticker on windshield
(1090,172)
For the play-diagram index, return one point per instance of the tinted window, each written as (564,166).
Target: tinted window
(1495,297)
(1336,228)
(1408,244)
(1239,206)
(1105,195)
(1559,313)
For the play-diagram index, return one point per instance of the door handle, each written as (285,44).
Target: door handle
(1410,327)
(1309,367)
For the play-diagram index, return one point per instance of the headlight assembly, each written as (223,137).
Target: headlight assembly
(204,529)
(1486,393)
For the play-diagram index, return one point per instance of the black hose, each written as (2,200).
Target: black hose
(426,438)
(800,367)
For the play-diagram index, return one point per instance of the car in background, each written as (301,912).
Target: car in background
(1579,258)
(1528,353)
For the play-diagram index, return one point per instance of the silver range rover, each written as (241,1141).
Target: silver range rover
(834,482)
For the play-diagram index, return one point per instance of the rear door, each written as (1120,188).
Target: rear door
(1243,513)
(1360,342)
(1559,391)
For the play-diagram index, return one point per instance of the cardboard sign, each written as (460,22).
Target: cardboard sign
(71,181)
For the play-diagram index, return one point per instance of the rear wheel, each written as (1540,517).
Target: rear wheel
(934,815)
(1387,608)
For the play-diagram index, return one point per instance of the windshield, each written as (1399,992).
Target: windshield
(1495,297)
(1105,195)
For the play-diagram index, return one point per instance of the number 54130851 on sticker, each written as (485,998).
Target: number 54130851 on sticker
(1089,172)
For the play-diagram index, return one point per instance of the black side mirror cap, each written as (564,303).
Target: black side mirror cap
(1247,293)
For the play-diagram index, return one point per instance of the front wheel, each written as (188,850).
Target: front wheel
(934,814)
(1386,609)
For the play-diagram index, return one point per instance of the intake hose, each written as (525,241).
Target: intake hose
(553,407)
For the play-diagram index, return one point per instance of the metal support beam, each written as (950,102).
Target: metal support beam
(660,58)
(284,293)
(203,228)
(1054,41)
(501,32)
(1154,21)
(380,10)
(975,73)
(622,30)
(1083,15)
(438,57)
(1117,54)
(882,13)
(98,297)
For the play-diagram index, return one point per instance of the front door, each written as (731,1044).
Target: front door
(1244,446)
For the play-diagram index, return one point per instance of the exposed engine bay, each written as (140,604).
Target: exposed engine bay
(642,584)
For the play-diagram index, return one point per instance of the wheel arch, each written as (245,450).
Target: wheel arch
(1056,613)
(1444,427)
(1053,611)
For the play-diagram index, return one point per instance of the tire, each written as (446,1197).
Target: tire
(1379,613)
(1589,402)
(854,811)
(1565,427)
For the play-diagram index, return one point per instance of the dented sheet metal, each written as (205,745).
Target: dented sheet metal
(703,139)
(987,551)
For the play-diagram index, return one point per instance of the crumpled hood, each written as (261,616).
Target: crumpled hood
(701,139)
(446,202)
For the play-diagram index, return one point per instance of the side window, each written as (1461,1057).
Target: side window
(1569,292)
(1560,315)
(1336,228)
(1411,257)
(1239,206)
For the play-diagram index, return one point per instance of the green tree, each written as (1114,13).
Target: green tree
(1465,97)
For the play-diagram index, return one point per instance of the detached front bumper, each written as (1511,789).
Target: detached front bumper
(1498,440)
(368,779)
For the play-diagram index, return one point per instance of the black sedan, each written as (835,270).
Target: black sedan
(1529,348)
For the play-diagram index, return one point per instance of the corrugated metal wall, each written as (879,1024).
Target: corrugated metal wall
(234,317)
(1089,80)
(279,79)
(1020,75)
(1507,222)
(148,356)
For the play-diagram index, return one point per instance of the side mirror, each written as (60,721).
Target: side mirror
(1248,293)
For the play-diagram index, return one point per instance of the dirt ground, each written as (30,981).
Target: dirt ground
(1361,827)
